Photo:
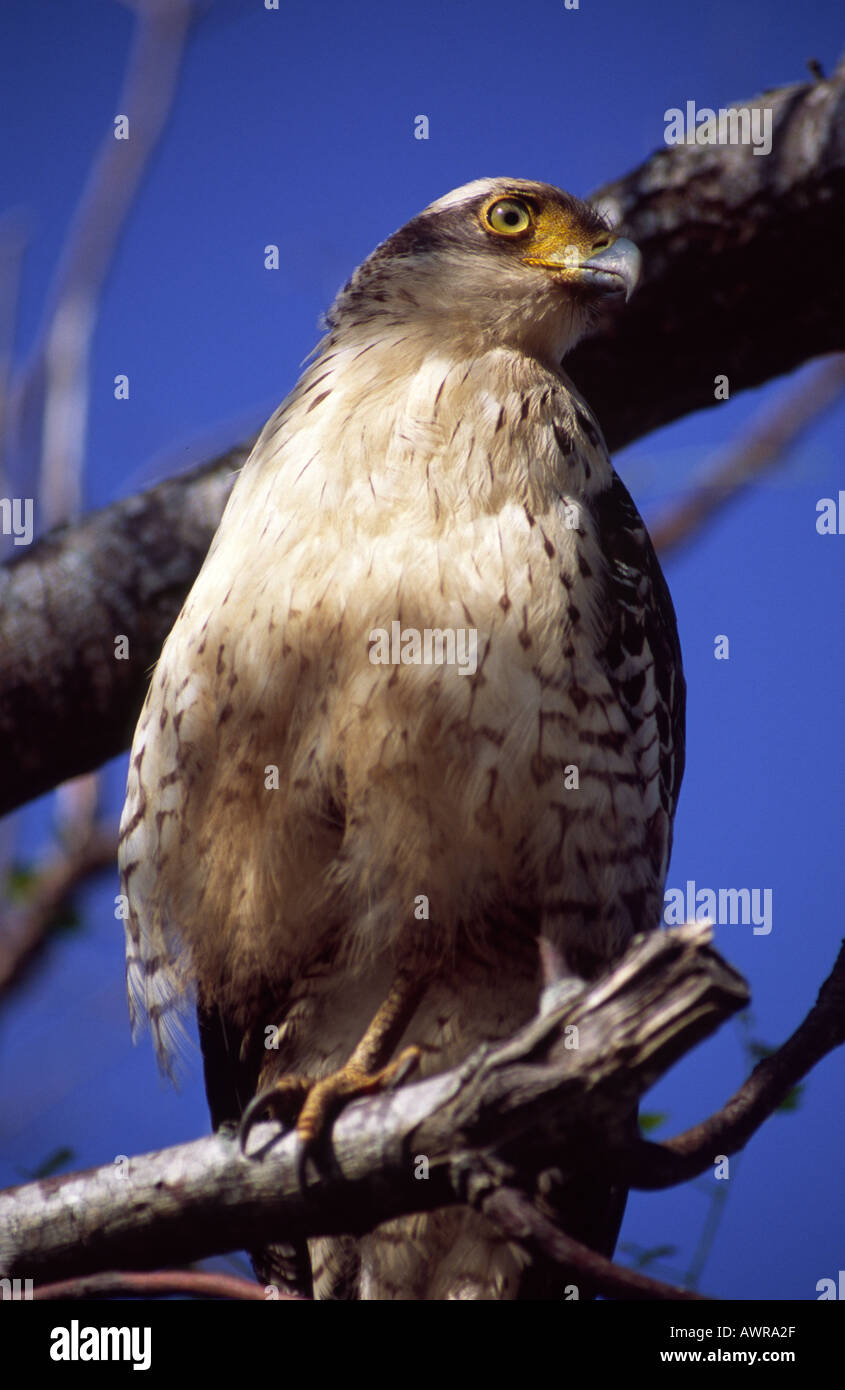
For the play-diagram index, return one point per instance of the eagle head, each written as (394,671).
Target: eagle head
(499,261)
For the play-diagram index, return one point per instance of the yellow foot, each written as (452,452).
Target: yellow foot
(317,1102)
(331,1093)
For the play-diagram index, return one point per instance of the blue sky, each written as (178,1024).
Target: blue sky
(296,128)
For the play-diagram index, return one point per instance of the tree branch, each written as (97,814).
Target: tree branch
(757,451)
(653,1166)
(121,1283)
(24,928)
(725,237)
(561,1091)
(494,1122)
(718,227)
(518,1218)
(66,703)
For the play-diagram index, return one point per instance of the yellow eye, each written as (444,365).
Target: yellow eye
(508,217)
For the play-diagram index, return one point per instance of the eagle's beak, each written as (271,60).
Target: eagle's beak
(613,270)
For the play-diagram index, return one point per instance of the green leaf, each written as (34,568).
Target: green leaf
(59,1158)
(21,879)
(652,1119)
(642,1258)
(792,1101)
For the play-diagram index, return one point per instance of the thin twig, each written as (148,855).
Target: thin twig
(651,1166)
(119,1283)
(758,451)
(25,928)
(59,366)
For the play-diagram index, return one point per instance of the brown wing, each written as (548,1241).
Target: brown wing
(642,615)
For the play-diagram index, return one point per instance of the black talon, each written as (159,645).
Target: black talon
(271,1103)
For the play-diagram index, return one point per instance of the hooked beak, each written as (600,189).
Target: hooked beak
(613,270)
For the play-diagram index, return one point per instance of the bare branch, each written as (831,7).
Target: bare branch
(492,1122)
(718,228)
(758,451)
(488,1130)
(119,1284)
(653,1166)
(518,1218)
(13,240)
(66,703)
(24,929)
(57,373)
(721,231)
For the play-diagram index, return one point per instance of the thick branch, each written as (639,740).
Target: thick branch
(495,1121)
(67,704)
(725,236)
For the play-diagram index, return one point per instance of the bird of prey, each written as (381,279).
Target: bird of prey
(420,717)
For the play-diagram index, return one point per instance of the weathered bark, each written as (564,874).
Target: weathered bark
(493,1122)
(66,703)
(742,277)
